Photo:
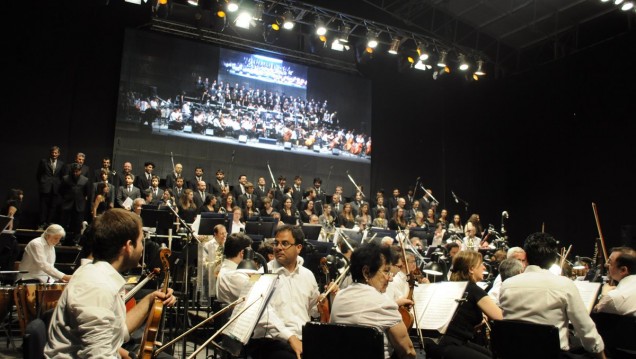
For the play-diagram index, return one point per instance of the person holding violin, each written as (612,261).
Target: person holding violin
(230,281)
(621,298)
(363,302)
(90,319)
(458,340)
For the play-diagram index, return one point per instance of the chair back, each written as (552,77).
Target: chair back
(618,333)
(340,341)
(34,340)
(520,340)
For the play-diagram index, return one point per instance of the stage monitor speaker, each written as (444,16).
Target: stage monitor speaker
(316,148)
(209,132)
(336,152)
(187,128)
(269,141)
(242,139)
(287,145)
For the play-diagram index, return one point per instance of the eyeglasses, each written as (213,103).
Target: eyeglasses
(387,273)
(284,244)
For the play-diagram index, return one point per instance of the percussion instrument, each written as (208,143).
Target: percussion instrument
(33,299)
(6,300)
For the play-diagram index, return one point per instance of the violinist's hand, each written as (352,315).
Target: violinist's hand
(424,280)
(404,302)
(168,299)
(124,354)
(296,345)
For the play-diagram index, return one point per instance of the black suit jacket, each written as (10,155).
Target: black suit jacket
(171,180)
(175,192)
(97,176)
(74,193)
(123,193)
(216,188)
(198,200)
(142,182)
(240,201)
(84,171)
(48,180)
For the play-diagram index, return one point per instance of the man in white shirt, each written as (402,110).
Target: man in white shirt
(620,299)
(39,257)
(230,281)
(213,255)
(538,296)
(516,253)
(90,319)
(278,333)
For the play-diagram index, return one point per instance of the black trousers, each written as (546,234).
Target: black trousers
(452,348)
(265,348)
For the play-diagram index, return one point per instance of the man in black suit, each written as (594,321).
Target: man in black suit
(49,176)
(261,188)
(310,195)
(393,200)
(171,178)
(321,195)
(127,190)
(179,187)
(121,176)
(97,174)
(219,184)
(200,194)
(74,190)
(156,192)
(80,159)
(144,181)
(239,189)
(193,182)
(249,194)
(298,194)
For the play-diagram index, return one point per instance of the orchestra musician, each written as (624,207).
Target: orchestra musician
(539,296)
(458,340)
(363,302)
(620,299)
(39,257)
(90,319)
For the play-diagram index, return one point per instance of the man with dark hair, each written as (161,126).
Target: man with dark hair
(278,333)
(75,189)
(49,177)
(539,296)
(144,180)
(90,319)
(620,299)
(230,281)
(127,190)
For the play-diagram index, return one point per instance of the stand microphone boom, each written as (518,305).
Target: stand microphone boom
(218,332)
(354,184)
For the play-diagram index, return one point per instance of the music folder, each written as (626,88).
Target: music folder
(436,303)
(588,292)
(257,293)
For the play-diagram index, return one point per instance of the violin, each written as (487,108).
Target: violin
(323,300)
(156,312)
(129,298)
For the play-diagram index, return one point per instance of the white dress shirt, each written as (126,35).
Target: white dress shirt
(538,296)
(292,304)
(230,282)
(38,259)
(398,287)
(362,304)
(622,299)
(90,318)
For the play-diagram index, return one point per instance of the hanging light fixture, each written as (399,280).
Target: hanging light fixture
(372,39)
(395,46)
(441,62)
(627,6)
(463,62)
(321,29)
(232,5)
(480,68)
(288,20)
(345,30)
(421,51)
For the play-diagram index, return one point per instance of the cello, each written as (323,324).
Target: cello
(156,312)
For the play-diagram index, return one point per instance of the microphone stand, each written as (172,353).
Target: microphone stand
(328,177)
(428,193)
(355,185)
(230,306)
(186,269)
(466,205)
(218,332)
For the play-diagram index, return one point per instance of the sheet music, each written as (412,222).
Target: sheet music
(128,202)
(588,292)
(435,304)
(258,291)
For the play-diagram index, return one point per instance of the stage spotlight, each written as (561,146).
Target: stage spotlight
(193,2)
(480,68)
(243,20)
(321,29)
(288,20)
(270,33)
(257,15)
(627,6)
(420,65)
(618,2)
(345,30)
(339,46)
(422,53)
(441,62)
(463,62)
(161,9)
(395,46)
(372,39)
(232,5)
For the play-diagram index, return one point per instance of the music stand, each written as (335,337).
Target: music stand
(262,228)
(311,231)
(420,233)
(149,206)
(159,219)
(206,227)
(381,232)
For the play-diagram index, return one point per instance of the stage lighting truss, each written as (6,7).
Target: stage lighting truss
(339,32)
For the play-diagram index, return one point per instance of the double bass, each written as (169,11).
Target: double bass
(156,312)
